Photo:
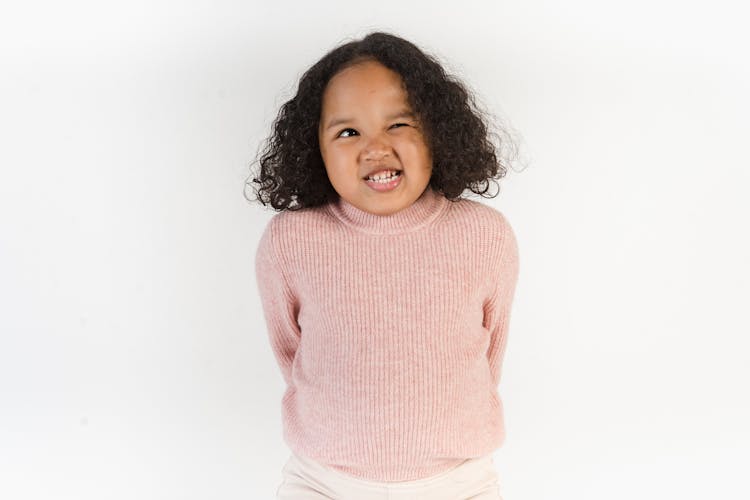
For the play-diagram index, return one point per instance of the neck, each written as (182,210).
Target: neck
(422,212)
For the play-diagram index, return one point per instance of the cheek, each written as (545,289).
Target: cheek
(416,148)
(416,140)
(337,157)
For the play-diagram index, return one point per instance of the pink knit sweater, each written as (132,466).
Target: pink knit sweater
(390,332)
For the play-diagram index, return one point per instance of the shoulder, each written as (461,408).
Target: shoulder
(290,226)
(491,221)
(490,230)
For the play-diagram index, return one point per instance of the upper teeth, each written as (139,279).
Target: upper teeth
(379,176)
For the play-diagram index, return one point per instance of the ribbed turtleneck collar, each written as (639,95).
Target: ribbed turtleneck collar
(423,211)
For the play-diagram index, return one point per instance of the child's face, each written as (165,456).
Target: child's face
(372,135)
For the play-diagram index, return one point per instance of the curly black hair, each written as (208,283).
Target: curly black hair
(292,172)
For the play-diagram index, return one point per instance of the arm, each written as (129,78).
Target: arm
(497,310)
(280,307)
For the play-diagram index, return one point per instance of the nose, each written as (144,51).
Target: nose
(376,149)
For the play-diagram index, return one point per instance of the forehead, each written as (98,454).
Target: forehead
(364,82)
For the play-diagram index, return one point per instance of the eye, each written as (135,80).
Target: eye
(404,124)
(346,129)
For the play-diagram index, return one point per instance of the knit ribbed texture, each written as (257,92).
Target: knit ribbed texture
(390,332)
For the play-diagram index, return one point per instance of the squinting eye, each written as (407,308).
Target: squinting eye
(405,124)
(345,131)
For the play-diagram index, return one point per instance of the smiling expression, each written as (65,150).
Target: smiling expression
(367,124)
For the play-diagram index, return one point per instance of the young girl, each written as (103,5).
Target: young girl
(387,297)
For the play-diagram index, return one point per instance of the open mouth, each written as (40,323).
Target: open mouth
(384,179)
(385,184)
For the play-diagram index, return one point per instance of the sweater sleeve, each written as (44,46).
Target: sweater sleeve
(280,307)
(497,311)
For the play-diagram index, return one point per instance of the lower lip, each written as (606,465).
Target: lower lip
(385,186)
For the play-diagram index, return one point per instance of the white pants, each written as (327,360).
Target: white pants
(303,479)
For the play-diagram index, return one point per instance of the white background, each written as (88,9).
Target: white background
(134,361)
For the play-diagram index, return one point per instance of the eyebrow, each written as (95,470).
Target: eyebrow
(404,113)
